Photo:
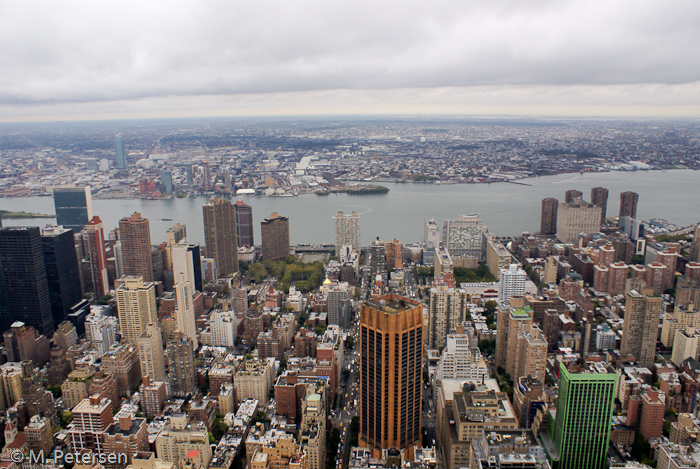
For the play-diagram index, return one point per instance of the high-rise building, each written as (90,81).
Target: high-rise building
(347,231)
(120,153)
(442,263)
(575,218)
(275,237)
(548,218)
(244,223)
(224,328)
(572,195)
(695,245)
(173,235)
(73,207)
(460,360)
(24,289)
(94,248)
(339,304)
(391,354)
(184,308)
(62,271)
(394,254)
(580,431)
(135,236)
(377,260)
(448,309)
(151,354)
(220,235)
(628,204)
(641,325)
(181,365)
(599,198)
(136,302)
(463,236)
(166,180)
(188,261)
(511,282)
(431,234)
(101,331)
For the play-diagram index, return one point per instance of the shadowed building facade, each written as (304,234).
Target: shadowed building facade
(275,237)
(135,236)
(220,235)
(391,356)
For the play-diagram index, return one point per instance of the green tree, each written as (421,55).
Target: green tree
(55,389)
(65,418)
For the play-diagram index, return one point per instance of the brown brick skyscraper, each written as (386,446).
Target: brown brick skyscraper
(135,236)
(548,219)
(220,235)
(275,237)
(391,356)
(628,204)
(599,198)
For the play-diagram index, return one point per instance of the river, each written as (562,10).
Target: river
(506,209)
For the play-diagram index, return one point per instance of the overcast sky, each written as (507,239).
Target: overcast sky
(101,59)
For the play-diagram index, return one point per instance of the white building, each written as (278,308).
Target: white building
(463,236)
(347,230)
(459,360)
(101,330)
(511,282)
(224,328)
(184,308)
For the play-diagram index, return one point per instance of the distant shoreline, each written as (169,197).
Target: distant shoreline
(7,215)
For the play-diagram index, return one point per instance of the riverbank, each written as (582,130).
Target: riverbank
(8,215)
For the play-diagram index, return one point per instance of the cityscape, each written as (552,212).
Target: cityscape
(576,345)
(333,235)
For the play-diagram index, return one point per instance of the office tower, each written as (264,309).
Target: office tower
(641,325)
(599,198)
(135,236)
(151,354)
(431,234)
(695,245)
(220,235)
(275,237)
(347,231)
(94,248)
(206,177)
(244,224)
(339,305)
(575,218)
(184,308)
(166,180)
(572,195)
(377,260)
(391,355)
(463,236)
(394,254)
(580,432)
(448,309)
(511,282)
(24,285)
(62,271)
(548,218)
(188,261)
(181,366)
(136,303)
(73,207)
(121,154)
(628,204)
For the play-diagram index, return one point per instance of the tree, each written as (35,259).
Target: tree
(55,389)
(350,342)
(65,418)
(220,428)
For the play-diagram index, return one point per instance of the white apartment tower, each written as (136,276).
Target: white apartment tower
(511,282)
(184,309)
(347,231)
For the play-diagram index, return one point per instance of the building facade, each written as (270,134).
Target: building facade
(275,237)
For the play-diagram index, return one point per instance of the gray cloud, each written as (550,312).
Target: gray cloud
(83,52)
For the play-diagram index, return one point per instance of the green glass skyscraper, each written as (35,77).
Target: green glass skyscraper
(580,434)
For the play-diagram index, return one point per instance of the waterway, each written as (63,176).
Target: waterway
(506,209)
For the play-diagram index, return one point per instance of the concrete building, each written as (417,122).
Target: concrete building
(275,237)
(347,231)
(642,311)
(443,263)
(220,236)
(599,198)
(151,354)
(511,282)
(447,310)
(184,309)
(548,217)
(628,204)
(255,379)
(497,256)
(180,436)
(136,302)
(135,238)
(122,362)
(460,360)
(575,218)
(463,236)
(181,365)
(224,328)
(686,345)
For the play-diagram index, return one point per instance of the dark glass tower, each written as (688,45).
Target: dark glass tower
(244,223)
(121,154)
(73,207)
(62,271)
(25,285)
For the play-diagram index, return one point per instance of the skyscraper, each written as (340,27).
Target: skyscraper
(166,179)
(448,308)
(94,247)
(184,309)
(548,218)
(136,302)
(73,207)
(275,237)
(628,204)
(220,235)
(575,218)
(511,282)
(244,223)
(181,365)
(463,236)
(121,154)
(151,354)
(394,254)
(24,287)
(580,432)
(62,271)
(187,261)
(599,198)
(391,354)
(695,245)
(135,236)
(641,325)
(347,231)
